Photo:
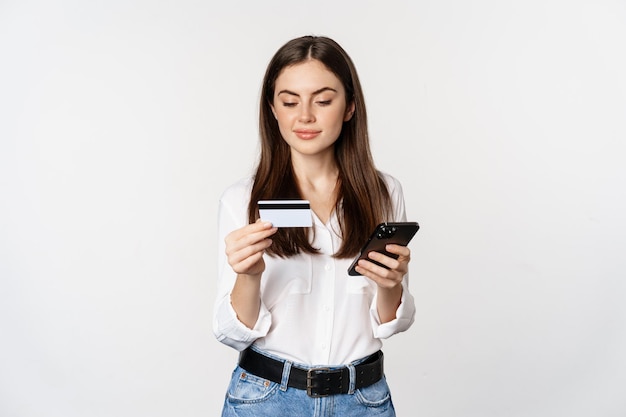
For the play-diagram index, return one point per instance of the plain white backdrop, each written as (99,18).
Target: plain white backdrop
(121,122)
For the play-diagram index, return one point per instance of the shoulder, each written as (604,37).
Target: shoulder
(238,193)
(396,197)
(393,184)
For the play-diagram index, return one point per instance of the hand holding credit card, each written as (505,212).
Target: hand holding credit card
(286,213)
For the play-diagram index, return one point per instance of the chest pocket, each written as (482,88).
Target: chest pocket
(284,277)
(359,285)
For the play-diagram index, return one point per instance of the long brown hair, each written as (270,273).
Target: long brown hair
(363,200)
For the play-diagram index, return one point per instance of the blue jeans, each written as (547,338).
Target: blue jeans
(251,396)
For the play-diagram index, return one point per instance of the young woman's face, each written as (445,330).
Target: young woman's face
(310,106)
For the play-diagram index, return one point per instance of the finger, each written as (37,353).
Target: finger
(246,266)
(257,227)
(248,235)
(381,276)
(380,271)
(238,255)
(252,238)
(398,250)
(388,261)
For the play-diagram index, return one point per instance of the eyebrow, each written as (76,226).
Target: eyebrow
(316,92)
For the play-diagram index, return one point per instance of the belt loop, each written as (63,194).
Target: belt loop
(352,370)
(285,378)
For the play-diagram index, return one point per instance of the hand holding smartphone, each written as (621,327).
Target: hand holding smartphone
(399,233)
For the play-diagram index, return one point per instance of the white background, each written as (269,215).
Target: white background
(122,121)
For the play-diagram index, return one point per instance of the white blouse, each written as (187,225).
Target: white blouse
(312,312)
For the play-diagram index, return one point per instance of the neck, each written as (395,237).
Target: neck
(315,172)
(317,181)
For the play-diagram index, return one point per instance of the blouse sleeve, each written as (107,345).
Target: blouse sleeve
(226,326)
(405,314)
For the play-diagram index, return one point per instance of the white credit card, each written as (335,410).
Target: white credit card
(286,213)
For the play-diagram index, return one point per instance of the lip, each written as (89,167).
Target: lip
(306,133)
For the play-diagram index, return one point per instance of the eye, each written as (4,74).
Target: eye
(324,102)
(290,104)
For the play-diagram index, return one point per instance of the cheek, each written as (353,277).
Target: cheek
(338,120)
(283,120)
(284,126)
(283,117)
(340,114)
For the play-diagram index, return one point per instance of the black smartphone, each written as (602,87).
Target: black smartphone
(399,233)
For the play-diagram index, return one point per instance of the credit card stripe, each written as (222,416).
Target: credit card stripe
(287,206)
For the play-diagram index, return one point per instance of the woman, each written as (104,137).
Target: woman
(309,334)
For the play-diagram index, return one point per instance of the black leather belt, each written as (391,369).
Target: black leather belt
(318,382)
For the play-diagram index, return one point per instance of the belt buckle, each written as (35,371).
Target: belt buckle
(309,378)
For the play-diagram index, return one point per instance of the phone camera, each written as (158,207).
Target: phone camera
(386,232)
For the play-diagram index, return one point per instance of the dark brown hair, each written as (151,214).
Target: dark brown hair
(363,199)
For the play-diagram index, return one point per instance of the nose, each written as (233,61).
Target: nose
(306,114)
